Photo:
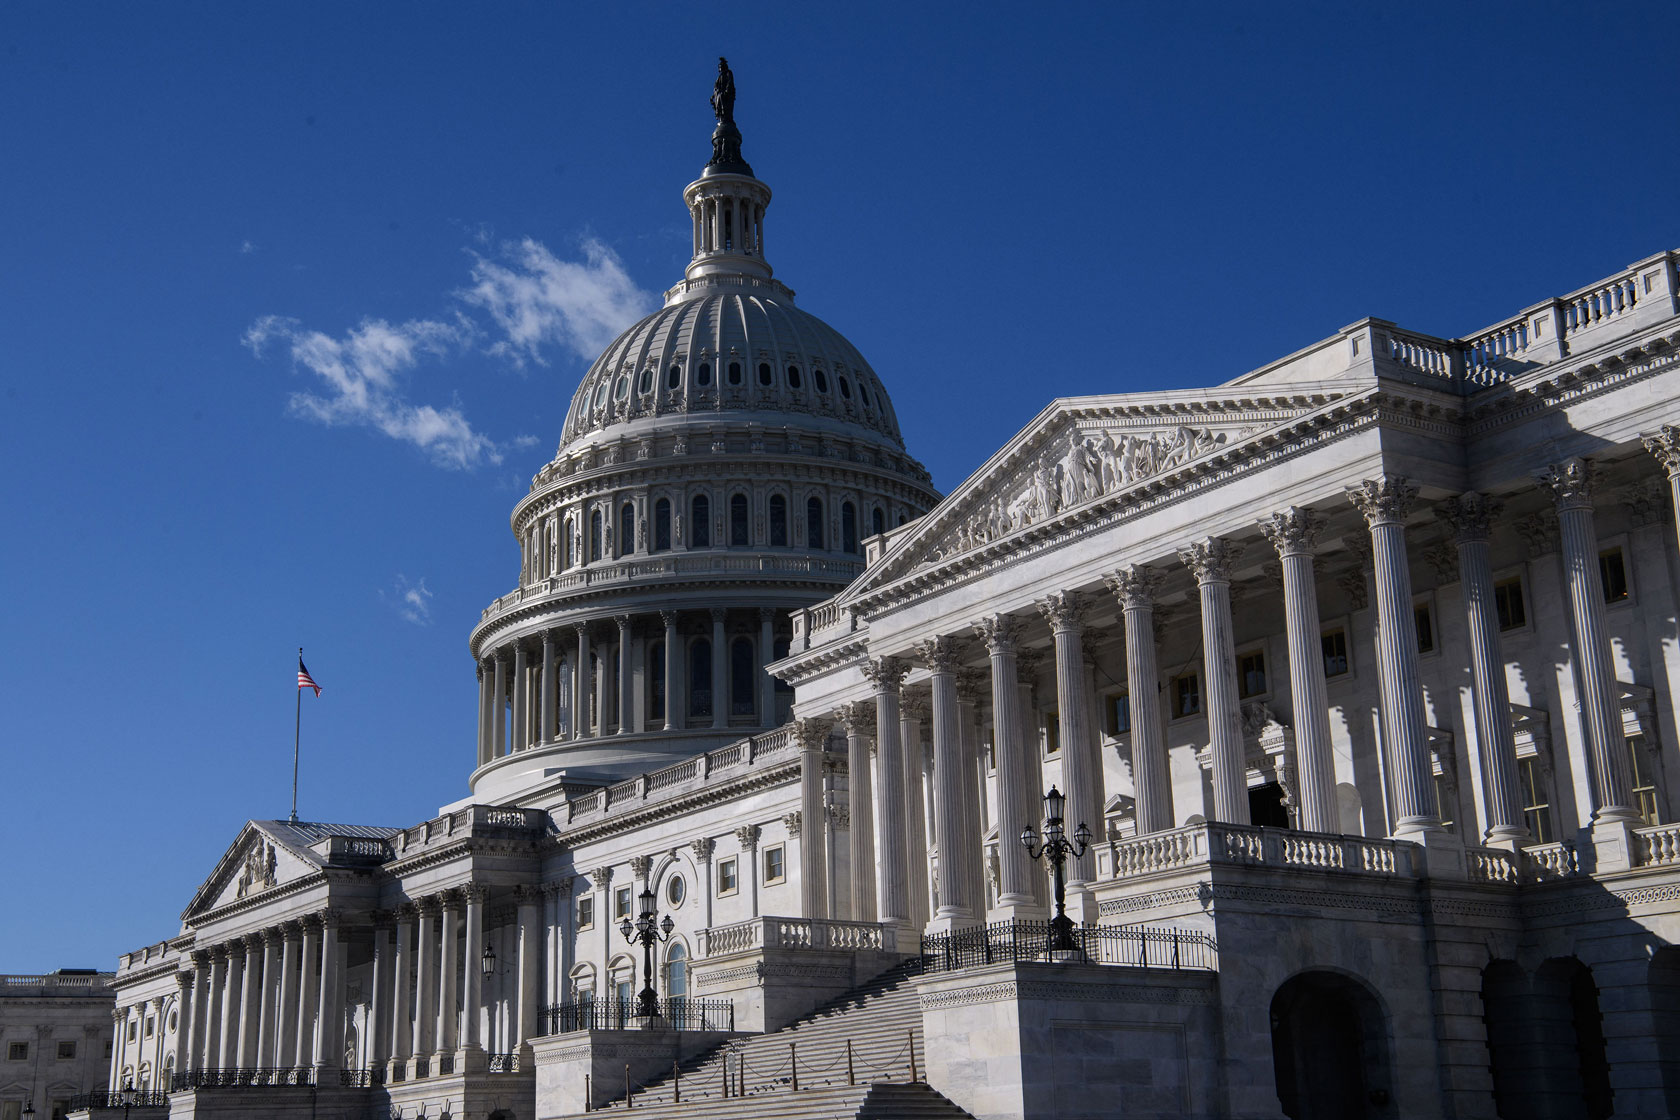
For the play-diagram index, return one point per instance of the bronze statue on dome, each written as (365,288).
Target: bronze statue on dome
(726,138)
(723,94)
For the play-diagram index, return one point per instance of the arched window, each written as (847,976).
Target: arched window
(877,522)
(656,681)
(676,971)
(813,523)
(700,679)
(699,522)
(601,393)
(902,518)
(662,525)
(848,527)
(778,521)
(626,529)
(734,373)
(765,377)
(793,377)
(703,375)
(741,677)
(571,544)
(738,534)
(644,384)
(622,388)
(674,377)
(845,387)
(863,393)
(821,380)
(594,536)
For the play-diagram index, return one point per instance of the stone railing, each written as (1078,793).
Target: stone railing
(1491,865)
(15,985)
(771,932)
(1657,845)
(472,820)
(700,768)
(1542,862)
(1249,846)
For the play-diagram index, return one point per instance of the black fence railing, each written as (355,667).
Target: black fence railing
(619,1015)
(136,1098)
(1023,940)
(269,1076)
(504,1063)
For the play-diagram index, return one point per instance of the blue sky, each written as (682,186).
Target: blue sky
(293,299)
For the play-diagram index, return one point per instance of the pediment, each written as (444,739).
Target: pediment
(258,861)
(1080,452)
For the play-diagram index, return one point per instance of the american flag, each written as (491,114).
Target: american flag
(305,680)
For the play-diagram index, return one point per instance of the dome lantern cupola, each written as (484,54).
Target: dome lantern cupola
(727,202)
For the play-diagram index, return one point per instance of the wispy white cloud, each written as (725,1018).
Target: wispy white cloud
(411,601)
(536,299)
(247,247)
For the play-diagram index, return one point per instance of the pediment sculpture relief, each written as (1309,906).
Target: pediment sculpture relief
(258,872)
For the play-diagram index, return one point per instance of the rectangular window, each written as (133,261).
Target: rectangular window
(107,1048)
(775,865)
(1251,674)
(1508,604)
(586,912)
(624,991)
(151,1025)
(1537,807)
(1119,714)
(61,1108)
(17,1052)
(1186,695)
(11,1110)
(66,1049)
(1444,803)
(1335,653)
(1644,781)
(726,877)
(1052,732)
(621,904)
(1425,621)
(1613,571)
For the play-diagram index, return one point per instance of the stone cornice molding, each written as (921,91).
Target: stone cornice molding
(1560,383)
(1384,501)
(1470,515)
(597,828)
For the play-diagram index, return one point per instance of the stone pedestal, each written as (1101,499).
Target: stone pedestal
(564,1061)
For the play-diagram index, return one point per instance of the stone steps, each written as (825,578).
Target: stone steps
(879,1101)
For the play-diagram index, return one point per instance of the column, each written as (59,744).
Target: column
(702,849)
(1211,559)
(309,992)
(673,676)
(448,1010)
(550,666)
(521,699)
(1469,515)
(720,662)
(426,987)
(485,735)
(227,1056)
(811,734)
(971,684)
(956,909)
(580,683)
(1135,587)
(119,1037)
(916,836)
(1082,782)
(186,1006)
(857,718)
(626,678)
(767,654)
(530,963)
(329,1039)
(1665,445)
(473,990)
(402,1014)
(498,713)
(379,997)
(747,837)
(250,1003)
(1572,482)
(1027,665)
(210,1051)
(1384,503)
(1002,633)
(1294,533)
(269,1015)
(286,1000)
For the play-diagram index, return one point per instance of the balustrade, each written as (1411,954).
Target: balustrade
(1542,862)
(770,932)
(1657,845)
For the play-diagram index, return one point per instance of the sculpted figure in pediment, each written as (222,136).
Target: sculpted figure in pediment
(258,872)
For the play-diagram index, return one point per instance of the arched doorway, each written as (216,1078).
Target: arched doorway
(1665,1021)
(1569,1039)
(1330,1049)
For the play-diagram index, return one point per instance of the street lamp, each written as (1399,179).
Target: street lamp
(648,934)
(487,963)
(1057,848)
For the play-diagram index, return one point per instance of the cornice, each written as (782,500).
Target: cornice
(315,878)
(1516,402)
(777,774)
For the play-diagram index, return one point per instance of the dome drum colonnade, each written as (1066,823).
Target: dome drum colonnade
(883,863)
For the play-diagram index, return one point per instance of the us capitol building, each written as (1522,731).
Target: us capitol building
(1359,670)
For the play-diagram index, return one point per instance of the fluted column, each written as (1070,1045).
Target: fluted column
(402,1007)
(550,670)
(228,1051)
(521,699)
(626,678)
(767,654)
(1294,533)
(210,1045)
(673,671)
(1572,484)
(195,1026)
(329,1037)
(956,909)
(530,963)
(1001,633)
(1027,665)
(1469,516)
(1135,587)
(269,1013)
(898,846)
(474,984)
(498,708)
(1665,445)
(580,684)
(971,686)
(426,986)
(1211,561)
(309,992)
(378,1034)
(250,1002)
(485,734)
(857,720)
(918,839)
(1082,780)
(1384,503)
(449,1014)
(286,1012)
(720,662)
(186,1007)
(811,735)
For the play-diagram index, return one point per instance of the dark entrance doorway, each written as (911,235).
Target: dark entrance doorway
(1265,806)
(1330,1050)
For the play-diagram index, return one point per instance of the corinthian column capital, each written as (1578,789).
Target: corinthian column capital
(1211,559)
(1061,610)
(857,717)
(1294,531)
(810,734)
(1135,586)
(1571,481)
(1000,632)
(1470,515)
(1665,445)
(1384,501)
(885,673)
(938,654)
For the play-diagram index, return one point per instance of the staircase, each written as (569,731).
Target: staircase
(881,1020)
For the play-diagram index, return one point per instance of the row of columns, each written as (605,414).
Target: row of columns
(883,862)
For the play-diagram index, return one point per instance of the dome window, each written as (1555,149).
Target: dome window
(793,377)
(601,394)
(738,537)
(662,525)
(626,529)
(863,394)
(674,378)
(877,522)
(821,379)
(848,528)
(645,384)
(845,387)
(700,522)
(741,677)
(778,521)
(764,375)
(622,389)
(595,535)
(704,373)
(734,373)
(700,679)
(814,522)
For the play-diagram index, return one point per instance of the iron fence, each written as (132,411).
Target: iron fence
(137,1098)
(618,1015)
(238,1077)
(1023,940)
(505,1063)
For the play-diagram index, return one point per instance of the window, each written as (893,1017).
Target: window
(1424,619)
(793,377)
(845,387)
(821,380)
(1335,653)
(656,681)
(621,904)
(676,971)
(623,991)
(764,375)
(1444,802)
(676,889)
(11,1110)
(662,525)
(1537,808)
(848,527)
(734,373)
(814,522)
(1052,732)
(594,536)
(586,912)
(1119,713)
(107,1048)
(778,521)
(1186,695)
(1251,674)
(674,378)
(601,393)
(700,678)
(703,375)
(133,1029)
(622,388)
(742,677)
(571,548)
(700,522)
(877,522)
(1644,781)
(19,1051)
(775,865)
(727,880)
(66,1049)
(644,384)
(1508,604)
(739,537)
(626,529)
(151,1025)
(1613,571)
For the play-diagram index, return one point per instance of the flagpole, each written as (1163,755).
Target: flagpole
(297,727)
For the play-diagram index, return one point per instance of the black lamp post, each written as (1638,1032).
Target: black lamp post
(487,963)
(1057,848)
(647,933)
(127,1098)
